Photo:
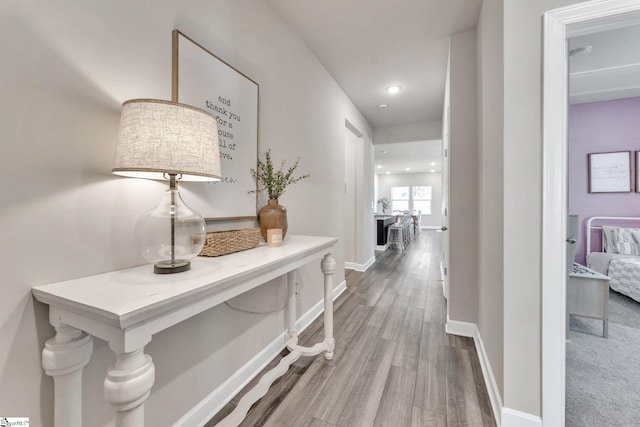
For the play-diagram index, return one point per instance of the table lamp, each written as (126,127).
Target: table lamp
(171,141)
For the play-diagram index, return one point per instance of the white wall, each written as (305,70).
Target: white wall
(408,132)
(367,203)
(67,67)
(463,184)
(490,111)
(385,182)
(510,176)
(522,198)
(522,168)
(358,189)
(350,201)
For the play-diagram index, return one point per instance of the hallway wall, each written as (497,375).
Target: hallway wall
(408,132)
(359,222)
(491,217)
(522,195)
(463,184)
(67,67)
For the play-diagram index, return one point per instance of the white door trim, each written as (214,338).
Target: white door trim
(559,24)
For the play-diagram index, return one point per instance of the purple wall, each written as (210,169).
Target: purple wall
(594,128)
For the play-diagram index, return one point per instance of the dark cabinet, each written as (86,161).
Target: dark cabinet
(382,224)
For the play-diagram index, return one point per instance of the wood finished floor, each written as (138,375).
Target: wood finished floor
(394,365)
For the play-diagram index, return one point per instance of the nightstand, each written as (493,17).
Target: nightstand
(588,295)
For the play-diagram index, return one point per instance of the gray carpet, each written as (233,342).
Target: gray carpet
(603,375)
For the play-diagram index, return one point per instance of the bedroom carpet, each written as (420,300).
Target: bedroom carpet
(603,375)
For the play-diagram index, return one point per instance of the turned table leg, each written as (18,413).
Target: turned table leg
(328,266)
(127,386)
(63,358)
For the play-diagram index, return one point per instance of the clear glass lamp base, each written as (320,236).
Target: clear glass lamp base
(171,234)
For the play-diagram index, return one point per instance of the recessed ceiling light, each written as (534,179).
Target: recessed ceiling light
(382,106)
(388,172)
(433,163)
(432,171)
(407,169)
(393,89)
(379,166)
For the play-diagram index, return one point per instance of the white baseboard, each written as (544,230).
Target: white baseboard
(513,418)
(464,329)
(468,329)
(369,263)
(200,414)
(381,247)
(337,291)
(360,267)
(489,379)
(430,227)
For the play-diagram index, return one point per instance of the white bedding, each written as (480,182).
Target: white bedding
(624,271)
(625,276)
(620,256)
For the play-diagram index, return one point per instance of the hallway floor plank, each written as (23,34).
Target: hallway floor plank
(394,365)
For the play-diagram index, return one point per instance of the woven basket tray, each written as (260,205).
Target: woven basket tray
(226,242)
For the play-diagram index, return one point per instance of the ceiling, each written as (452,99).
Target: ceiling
(408,157)
(612,68)
(367,45)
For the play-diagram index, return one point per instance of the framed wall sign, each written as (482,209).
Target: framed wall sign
(637,172)
(610,172)
(201,79)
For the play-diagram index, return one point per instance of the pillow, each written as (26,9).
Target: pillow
(627,248)
(608,238)
(636,235)
(621,240)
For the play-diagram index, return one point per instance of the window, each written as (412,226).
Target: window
(400,198)
(412,198)
(422,199)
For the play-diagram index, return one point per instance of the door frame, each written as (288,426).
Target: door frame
(445,180)
(559,25)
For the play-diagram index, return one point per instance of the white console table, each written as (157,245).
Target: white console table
(127,307)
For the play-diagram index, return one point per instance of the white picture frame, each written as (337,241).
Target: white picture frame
(610,172)
(203,80)
(637,172)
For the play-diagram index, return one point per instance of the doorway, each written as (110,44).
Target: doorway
(358,224)
(350,204)
(559,26)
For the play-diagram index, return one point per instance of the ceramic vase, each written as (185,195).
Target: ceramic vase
(272,215)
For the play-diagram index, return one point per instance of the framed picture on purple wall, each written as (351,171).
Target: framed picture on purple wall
(610,172)
(637,172)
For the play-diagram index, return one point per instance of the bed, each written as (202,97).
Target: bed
(613,248)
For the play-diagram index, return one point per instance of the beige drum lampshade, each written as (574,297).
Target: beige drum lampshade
(162,137)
